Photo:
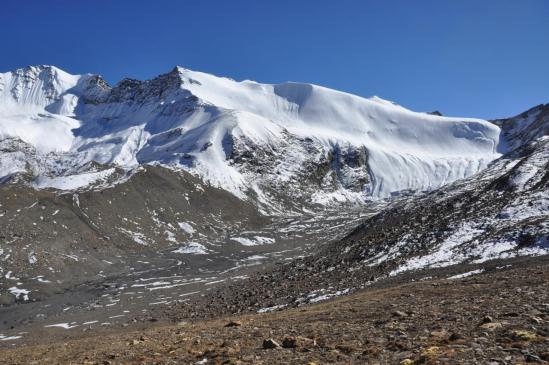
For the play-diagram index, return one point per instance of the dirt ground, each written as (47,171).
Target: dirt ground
(500,317)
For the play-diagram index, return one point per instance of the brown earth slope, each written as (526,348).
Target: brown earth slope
(498,317)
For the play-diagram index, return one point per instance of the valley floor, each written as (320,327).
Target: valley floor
(499,316)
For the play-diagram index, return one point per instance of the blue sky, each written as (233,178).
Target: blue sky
(476,58)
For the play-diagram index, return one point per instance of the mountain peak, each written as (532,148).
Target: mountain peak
(39,68)
(180,69)
(46,71)
(197,121)
(39,85)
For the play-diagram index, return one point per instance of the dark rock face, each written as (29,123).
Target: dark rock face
(95,91)
(525,127)
(139,91)
(340,168)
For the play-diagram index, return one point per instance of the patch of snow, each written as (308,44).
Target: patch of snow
(466,274)
(19,292)
(186,227)
(170,236)
(507,248)
(534,205)
(316,299)
(72,182)
(192,248)
(255,258)
(272,309)
(137,237)
(32,258)
(89,322)
(445,253)
(66,326)
(253,241)
(9,338)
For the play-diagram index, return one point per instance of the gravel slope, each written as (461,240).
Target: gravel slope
(500,317)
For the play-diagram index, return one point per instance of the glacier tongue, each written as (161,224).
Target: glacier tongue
(244,136)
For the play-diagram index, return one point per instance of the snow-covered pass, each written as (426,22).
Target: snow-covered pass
(58,123)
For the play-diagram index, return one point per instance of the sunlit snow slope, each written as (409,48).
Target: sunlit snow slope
(241,136)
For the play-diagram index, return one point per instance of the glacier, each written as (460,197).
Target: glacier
(241,136)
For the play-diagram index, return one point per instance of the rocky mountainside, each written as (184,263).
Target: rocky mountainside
(525,127)
(500,213)
(52,242)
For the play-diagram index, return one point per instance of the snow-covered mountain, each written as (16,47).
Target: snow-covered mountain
(298,143)
(162,186)
(487,222)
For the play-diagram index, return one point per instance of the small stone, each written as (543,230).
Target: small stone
(533,358)
(522,335)
(512,314)
(439,334)
(430,352)
(270,344)
(407,362)
(291,342)
(491,326)
(399,314)
(346,349)
(487,319)
(234,324)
